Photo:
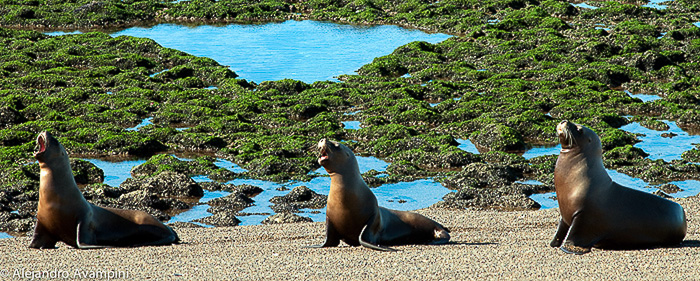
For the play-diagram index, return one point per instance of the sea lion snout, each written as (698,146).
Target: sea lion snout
(565,132)
(42,142)
(323,151)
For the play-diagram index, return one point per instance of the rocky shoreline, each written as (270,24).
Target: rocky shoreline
(513,70)
(486,244)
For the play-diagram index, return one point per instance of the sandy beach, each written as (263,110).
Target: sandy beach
(485,245)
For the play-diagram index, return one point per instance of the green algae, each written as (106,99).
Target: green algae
(515,69)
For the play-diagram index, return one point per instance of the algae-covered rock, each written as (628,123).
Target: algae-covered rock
(285,218)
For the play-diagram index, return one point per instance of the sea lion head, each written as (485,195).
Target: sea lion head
(49,148)
(574,137)
(335,156)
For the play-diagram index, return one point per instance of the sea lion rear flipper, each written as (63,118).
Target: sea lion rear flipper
(365,237)
(559,237)
(332,238)
(42,239)
(86,237)
(580,238)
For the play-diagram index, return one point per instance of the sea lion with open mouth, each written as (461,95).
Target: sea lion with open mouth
(352,213)
(597,212)
(65,215)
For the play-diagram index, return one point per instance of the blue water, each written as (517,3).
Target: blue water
(351,125)
(584,5)
(467,146)
(302,50)
(116,172)
(655,4)
(143,123)
(689,188)
(400,196)
(537,151)
(659,147)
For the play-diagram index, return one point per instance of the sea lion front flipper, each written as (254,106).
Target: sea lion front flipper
(42,239)
(559,237)
(86,237)
(332,238)
(580,238)
(365,237)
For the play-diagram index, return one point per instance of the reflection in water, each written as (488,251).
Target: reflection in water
(302,50)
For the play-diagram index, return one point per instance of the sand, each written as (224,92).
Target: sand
(485,245)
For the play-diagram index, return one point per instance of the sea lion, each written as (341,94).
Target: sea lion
(352,213)
(597,212)
(65,215)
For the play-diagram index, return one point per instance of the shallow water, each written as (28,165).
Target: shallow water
(302,50)
(351,125)
(584,5)
(644,97)
(537,151)
(144,122)
(467,146)
(400,196)
(689,188)
(659,147)
(656,4)
(116,172)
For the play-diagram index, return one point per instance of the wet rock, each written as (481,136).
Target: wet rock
(692,155)
(10,117)
(165,184)
(233,202)
(142,199)
(301,197)
(668,135)
(101,191)
(661,194)
(623,156)
(180,224)
(221,219)
(85,172)
(285,218)
(165,162)
(669,188)
(498,137)
(487,199)
(651,123)
(434,161)
(479,175)
(659,171)
(18,225)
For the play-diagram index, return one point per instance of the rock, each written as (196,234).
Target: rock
(301,197)
(221,219)
(165,184)
(498,137)
(285,218)
(661,194)
(85,172)
(18,225)
(230,203)
(669,188)
(479,175)
(142,199)
(9,117)
(179,224)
